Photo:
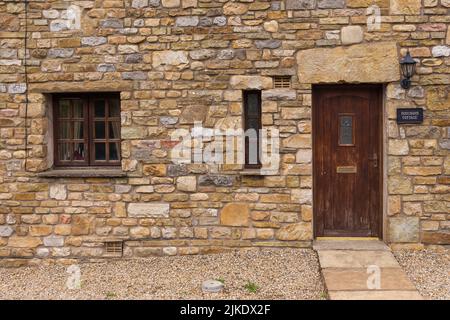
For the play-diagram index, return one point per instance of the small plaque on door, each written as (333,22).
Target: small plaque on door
(346,169)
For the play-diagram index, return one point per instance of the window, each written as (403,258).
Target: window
(252,123)
(87,129)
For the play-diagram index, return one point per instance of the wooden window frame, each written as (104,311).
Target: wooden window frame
(247,117)
(88,130)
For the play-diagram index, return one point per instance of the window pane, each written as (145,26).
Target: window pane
(114,108)
(100,130)
(79,151)
(64,108)
(99,108)
(100,151)
(78,109)
(252,104)
(64,130)
(114,130)
(346,130)
(64,150)
(78,128)
(114,151)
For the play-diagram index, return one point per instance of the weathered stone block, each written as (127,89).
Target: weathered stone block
(234,214)
(407,7)
(297,231)
(251,82)
(300,4)
(54,241)
(403,229)
(148,210)
(188,183)
(358,63)
(58,192)
(352,34)
(331,4)
(170,58)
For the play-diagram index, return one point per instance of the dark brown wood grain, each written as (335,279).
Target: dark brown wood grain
(347,203)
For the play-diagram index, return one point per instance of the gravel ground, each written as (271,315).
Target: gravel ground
(429,270)
(276,273)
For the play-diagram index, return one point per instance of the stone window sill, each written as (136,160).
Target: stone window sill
(258,172)
(91,172)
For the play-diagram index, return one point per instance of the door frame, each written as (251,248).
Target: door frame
(382,143)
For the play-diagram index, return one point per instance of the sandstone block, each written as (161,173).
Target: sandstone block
(357,63)
(148,210)
(234,214)
(403,229)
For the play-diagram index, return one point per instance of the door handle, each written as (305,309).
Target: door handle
(375,160)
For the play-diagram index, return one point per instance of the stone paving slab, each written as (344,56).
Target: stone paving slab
(356,279)
(375,295)
(372,245)
(356,259)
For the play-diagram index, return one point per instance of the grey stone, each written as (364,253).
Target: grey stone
(168,120)
(300,4)
(42,252)
(139,4)
(50,14)
(279,94)
(216,180)
(331,4)
(175,170)
(220,21)
(129,31)
(416,92)
(275,5)
(54,241)
(60,53)
(169,233)
(106,67)
(170,251)
(205,22)
(404,229)
(17,88)
(139,23)
(225,54)
(212,286)
(441,51)
(187,21)
(134,75)
(6,231)
(58,192)
(93,41)
(445,144)
(154,3)
(11,219)
(2,88)
(8,53)
(148,210)
(133,58)
(111,23)
(202,54)
(269,44)
(59,25)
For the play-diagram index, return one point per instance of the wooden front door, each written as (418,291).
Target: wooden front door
(347,160)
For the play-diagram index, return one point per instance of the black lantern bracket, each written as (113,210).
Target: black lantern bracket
(408,67)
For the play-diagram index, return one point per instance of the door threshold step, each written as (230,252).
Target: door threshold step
(375,295)
(345,244)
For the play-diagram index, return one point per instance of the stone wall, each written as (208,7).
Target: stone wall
(179,61)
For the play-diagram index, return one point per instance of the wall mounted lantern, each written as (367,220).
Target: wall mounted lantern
(408,66)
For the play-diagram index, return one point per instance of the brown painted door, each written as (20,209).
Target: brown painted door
(347,160)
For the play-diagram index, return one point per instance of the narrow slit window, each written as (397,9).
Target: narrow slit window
(346,134)
(252,121)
